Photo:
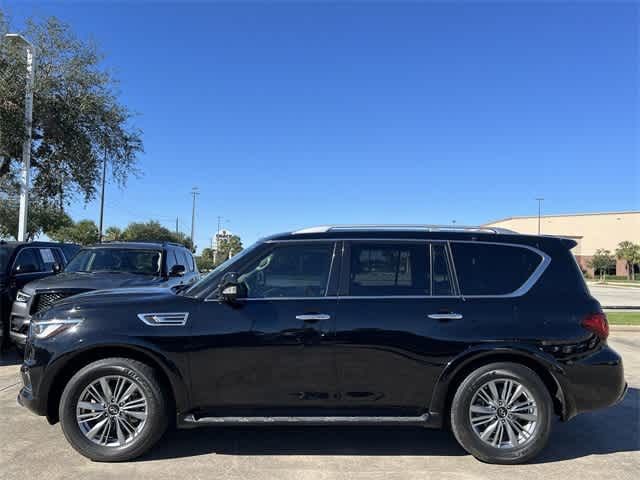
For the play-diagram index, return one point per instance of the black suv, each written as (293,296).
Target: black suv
(105,266)
(22,262)
(486,330)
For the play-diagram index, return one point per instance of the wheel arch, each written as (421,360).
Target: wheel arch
(172,382)
(459,368)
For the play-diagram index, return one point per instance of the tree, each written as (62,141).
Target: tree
(630,253)
(152,231)
(601,261)
(84,232)
(43,218)
(113,234)
(205,260)
(227,247)
(78,120)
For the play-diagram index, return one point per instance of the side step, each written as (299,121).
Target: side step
(191,420)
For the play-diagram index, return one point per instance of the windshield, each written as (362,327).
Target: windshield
(144,262)
(206,283)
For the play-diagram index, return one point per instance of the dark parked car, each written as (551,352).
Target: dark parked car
(105,266)
(488,331)
(22,262)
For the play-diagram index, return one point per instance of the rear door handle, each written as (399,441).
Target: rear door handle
(313,317)
(445,316)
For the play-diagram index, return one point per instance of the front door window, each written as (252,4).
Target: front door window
(300,271)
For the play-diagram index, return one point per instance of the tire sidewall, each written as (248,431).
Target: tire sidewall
(155,421)
(461,424)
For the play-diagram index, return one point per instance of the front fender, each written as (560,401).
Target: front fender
(63,366)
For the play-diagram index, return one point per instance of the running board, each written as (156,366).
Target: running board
(191,420)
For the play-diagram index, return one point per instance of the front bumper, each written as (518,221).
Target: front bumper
(19,321)
(26,397)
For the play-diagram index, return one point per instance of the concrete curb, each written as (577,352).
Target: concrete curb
(625,328)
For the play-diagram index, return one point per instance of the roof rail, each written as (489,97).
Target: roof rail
(150,242)
(407,228)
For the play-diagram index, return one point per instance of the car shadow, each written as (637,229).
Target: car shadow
(611,430)
(10,356)
(601,432)
(343,440)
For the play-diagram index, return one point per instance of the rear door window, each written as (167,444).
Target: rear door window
(48,258)
(386,269)
(489,269)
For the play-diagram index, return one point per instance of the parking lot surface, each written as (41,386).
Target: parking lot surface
(603,444)
(615,296)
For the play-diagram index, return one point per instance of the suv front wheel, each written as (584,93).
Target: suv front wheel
(113,410)
(501,413)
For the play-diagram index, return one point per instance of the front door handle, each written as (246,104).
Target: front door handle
(445,316)
(313,317)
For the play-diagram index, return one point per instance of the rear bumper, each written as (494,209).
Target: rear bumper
(593,382)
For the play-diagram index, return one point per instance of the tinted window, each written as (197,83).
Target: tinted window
(441,283)
(28,261)
(388,269)
(171,259)
(5,255)
(145,262)
(48,257)
(184,259)
(485,269)
(69,251)
(290,271)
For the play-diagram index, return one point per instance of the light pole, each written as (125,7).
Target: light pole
(540,200)
(26,145)
(104,176)
(194,192)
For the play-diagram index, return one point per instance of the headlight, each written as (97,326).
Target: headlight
(22,297)
(49,328)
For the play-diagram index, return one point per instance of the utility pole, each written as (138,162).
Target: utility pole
(540,200)
(26,145)
(194,192)
(176,226)
(104,176)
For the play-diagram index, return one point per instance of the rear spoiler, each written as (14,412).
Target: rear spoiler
(566,241)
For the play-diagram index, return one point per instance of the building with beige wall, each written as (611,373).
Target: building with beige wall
(591,230)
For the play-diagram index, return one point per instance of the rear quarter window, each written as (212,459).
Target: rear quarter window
(487,269)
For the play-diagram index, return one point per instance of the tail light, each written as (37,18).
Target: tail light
(597,323)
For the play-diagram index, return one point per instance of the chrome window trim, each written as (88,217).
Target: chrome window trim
(458,294)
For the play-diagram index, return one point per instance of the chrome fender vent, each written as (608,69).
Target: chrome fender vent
(170,319)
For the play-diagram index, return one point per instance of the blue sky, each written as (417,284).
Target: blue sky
(292,114)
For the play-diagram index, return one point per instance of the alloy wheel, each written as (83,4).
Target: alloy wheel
(503,414)
(112,411)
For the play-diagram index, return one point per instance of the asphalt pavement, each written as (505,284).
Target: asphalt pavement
(600,445)
(616,296)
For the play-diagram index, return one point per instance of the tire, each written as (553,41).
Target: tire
(130,440)
(509,418)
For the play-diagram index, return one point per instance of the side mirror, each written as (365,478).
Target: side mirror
(177,271)
(57,268)
(231,291)
(26,268)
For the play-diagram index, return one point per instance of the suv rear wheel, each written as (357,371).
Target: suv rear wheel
(501,413)
(113,410)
